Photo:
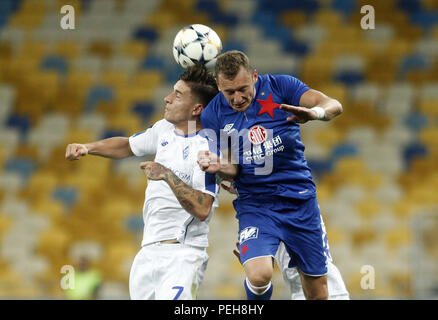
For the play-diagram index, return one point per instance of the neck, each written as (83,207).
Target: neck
(188,127)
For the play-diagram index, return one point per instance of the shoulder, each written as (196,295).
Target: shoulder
(163,124)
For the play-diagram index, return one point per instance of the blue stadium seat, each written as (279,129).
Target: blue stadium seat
(56,63)
(280,6)
(297,47)
(67,195)
(409,6)
(209,6)
(228,20)
(143,109)
(344,7)
(413,151)
(413,62)
(415,121)
(7,8)
(349,77)
(233,45)
(145,33)
(153,63)
(98,94)
(23,166)
(21,122)
(425,19)
(343,150)
(113,133)
(135,223)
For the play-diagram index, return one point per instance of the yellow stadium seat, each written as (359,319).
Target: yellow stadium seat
(362,237)
(335,91)
(115,254)
(398,237)
(102,49)
(336,236)
(49,208)
(429,135)
(76,135)
(34,49)
(68,49)
(161,19)
(5,223)
(54,242)
(128,122)
(423,195)
(316,70)
(350,165)
(293,18)
(147,79)
(429,108)
(368,208)
(27,20)
(328,18)
(77,5)
(115,79)
(329,136)
(401,282)
(136,49)
(39,183)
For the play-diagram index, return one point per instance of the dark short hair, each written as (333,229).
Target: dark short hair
(229,63)
(201,82)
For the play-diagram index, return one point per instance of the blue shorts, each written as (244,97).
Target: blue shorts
(263,223)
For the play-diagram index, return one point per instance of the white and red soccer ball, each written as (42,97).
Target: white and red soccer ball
(196,44)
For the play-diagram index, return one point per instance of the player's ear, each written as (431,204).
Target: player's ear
(197,109)
(255,75)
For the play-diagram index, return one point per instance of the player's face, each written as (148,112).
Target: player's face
(179,104)
(239,91)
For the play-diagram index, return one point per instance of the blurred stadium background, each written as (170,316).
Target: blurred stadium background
(376,166)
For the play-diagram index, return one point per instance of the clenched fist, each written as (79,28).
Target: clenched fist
(208,161)
(75,150)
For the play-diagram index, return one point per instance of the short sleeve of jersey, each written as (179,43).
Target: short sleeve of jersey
(291,88)
(202,181)
(145,143)
(205,182)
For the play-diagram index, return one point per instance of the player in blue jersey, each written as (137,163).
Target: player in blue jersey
(258,118)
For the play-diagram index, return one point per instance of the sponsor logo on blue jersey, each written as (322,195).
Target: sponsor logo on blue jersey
(248,233)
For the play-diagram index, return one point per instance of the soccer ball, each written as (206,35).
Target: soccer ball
(196,44)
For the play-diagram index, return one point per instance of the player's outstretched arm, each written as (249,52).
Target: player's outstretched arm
(114,148)
(314,105)
(195,202)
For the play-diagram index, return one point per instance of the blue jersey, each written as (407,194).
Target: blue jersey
(262,133)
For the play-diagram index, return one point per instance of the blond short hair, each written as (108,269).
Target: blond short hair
(229,63)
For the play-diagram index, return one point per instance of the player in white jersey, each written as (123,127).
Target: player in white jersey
(180,198)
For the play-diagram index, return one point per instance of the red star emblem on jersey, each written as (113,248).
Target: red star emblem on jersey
(244,249)
(268,106)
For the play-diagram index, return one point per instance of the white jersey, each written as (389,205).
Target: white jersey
(164,217)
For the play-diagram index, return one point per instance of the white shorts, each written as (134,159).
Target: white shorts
(335,284)
(167,272)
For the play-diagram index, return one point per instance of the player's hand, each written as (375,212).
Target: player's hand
(75,150)
(154,170)
(299,114)
(237,252)
(208,161)
(229,188)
